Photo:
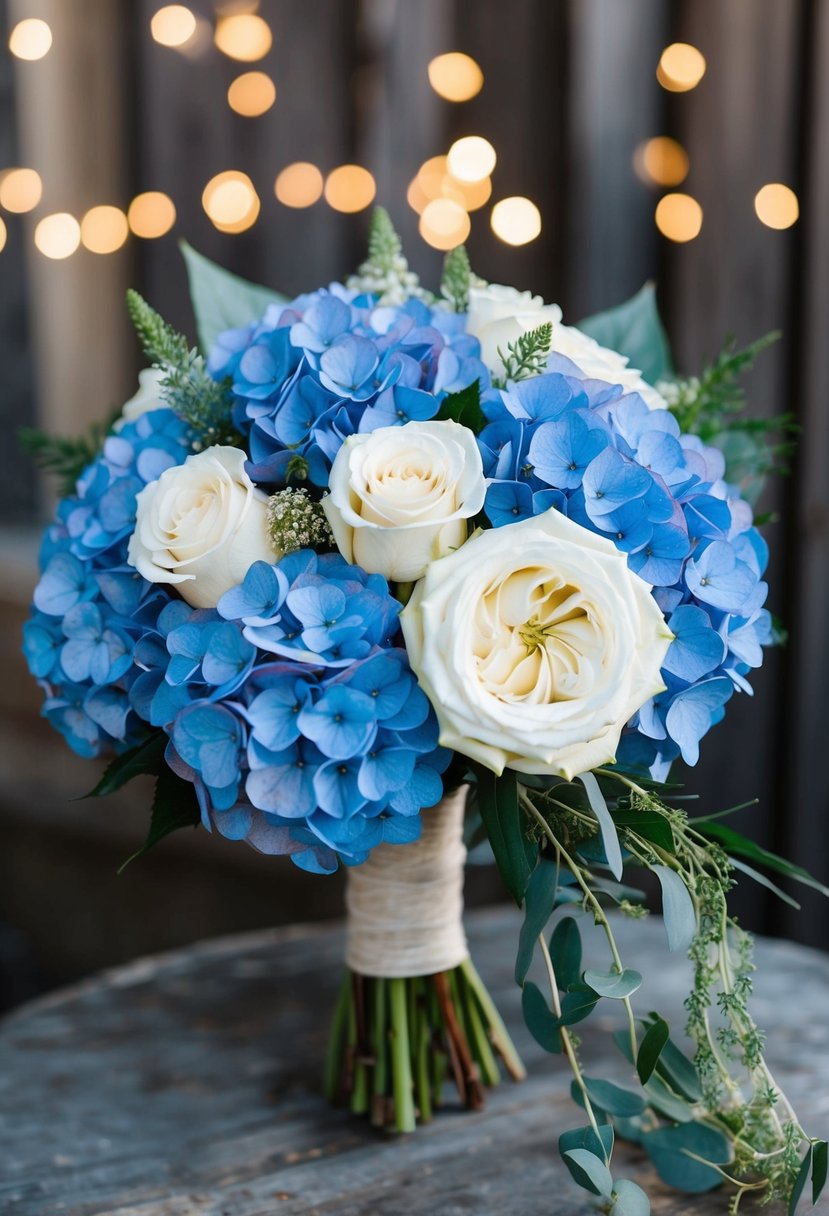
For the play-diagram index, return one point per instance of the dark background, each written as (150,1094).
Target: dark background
(570,92)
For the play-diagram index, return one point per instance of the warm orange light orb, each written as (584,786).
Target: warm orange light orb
(20,190)
(678,217)
(244,36)
(30,39)
(471,159)
(173,26)
(350,188)
(104,229)
(2,236)
(58,236)
(251,94)
(298,185)
(516,220)
(444,224)
(661,161)
(455,76)
(231,202)
(151,214)
(776,205)
(681,67)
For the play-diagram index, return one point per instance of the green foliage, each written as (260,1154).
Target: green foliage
(740,846)
(607,828)
(175,806)
(600,1145)
(614,1099)
(187,388)
(588,1171)
(464,407)
(296,521)
(615,985)
(146,758)
(539,902)
(565,951)
(526,356)
(515,854)
(629,1199)
(456,279)
(650,1049)
(222,300)
(634,329)
(686,1156)
(65,457)
(384,245)
(677,908)
(541,1022)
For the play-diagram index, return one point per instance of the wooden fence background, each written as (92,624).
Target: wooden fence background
(570,92)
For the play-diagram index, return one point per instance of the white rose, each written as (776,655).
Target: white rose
(201,526)
(147,398)
(499,315)
(535,644)
(401,496)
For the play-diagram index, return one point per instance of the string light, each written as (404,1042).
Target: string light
(20,190)
(243,36)
(58,236)
(2,235)
(30,39)
(251,94)
(471,159)
(516,220)
(349,188)
(776,205)
(104,229)
(681,67)
(151,214)
(455,76)
(471,195)
(298,185)
(444,224)
(661,161)
(173,26)
(231,202)
(678,217)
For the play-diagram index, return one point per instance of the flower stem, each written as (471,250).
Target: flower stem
(404,1111)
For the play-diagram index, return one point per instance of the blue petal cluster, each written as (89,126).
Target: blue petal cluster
(91,609)
(626,472)
(295,714)
(333,364)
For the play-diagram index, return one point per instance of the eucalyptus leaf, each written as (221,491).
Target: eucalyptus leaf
(679,1072)
(222,300)
(629,1199)
(565,951)
(820,1159)
(515,854)
(685,1156)
(607,827)
(542,1023)
(634,329)
(677,909)
(613,1098)
(539,903)
(650,1049)
(577,1004)
(585,1137)
(800,1181)
(589,1171)
(764,881)
(662,1098)
(614,984)
(733,842)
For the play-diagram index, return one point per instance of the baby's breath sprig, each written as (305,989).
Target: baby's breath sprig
(526,356)
(296,521)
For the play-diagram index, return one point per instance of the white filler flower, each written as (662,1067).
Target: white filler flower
(499,315)
(401,496)
(535,643)
(201,525)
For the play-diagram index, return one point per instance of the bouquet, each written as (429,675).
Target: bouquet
(380,573)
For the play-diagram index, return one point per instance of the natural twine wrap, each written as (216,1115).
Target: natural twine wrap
(405,904)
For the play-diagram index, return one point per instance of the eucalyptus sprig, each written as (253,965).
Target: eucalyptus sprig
(526,356)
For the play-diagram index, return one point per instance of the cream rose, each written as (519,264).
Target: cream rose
(401,496)
(535,643)
(200,526)
(498,315)
(147,398)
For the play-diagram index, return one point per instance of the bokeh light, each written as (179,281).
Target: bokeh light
(20,190)
(58,236)
(231,202)
(444,224)
(2,235)
(678,217)
(681,67)
(776,205)
(104,229)
(427,184)
(471,195)
(516,220)
(244,36)
(349,188)
(661,161)
(251,94)
(455,76)
(151,214)
(30,39)
(299,184)
(471,159)
(173,26)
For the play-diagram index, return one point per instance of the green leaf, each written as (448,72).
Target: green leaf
(577,1004)
(614,984)
(146,758)
(629,1200)
(174,806)
(634,329)
(677,909)
(820,1160)
(542,1023)
(650,1049)
(538,908)
(463,407)
(679,1072)
(588,1171)
(515,854)
(222,300)
(800,1181)
(565,951)
(648,824)
(65,457)
(585,1137)
(764,881)
(607,828)
(613,1098)
(733,842)
(663,1099)
(675,1152)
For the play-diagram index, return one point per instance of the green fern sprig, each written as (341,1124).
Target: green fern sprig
(456,279)
(65,457)
(526,356)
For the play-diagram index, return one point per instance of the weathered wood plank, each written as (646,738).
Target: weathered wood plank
(187,1085)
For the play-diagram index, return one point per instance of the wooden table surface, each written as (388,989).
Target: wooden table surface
(188,1085)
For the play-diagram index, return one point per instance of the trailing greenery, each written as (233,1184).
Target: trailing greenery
(187,388)
(526,356)
(63,456)
(456,279)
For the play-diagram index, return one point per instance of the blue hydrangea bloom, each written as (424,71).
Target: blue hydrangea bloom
(626,472)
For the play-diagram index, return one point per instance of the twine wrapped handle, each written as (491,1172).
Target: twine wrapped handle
(405,903)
